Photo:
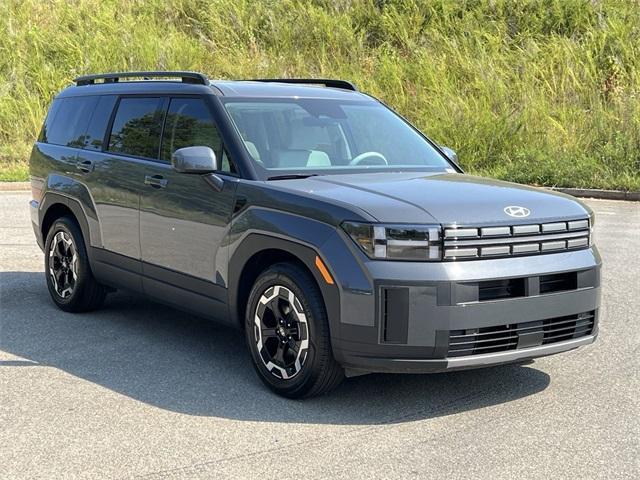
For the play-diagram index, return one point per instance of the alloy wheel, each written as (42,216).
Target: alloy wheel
(63,264)
(281,332)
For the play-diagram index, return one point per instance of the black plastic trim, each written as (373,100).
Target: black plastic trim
(257,242)
(185,77)
(327,82)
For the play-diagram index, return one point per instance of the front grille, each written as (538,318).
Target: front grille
(519,335)
(464,243)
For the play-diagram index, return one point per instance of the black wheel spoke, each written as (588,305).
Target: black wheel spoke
(268,333)
(60,250)
(294,348)
(60,280)
(274,305)
(279,356)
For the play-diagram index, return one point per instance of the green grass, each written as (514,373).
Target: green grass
(542,92)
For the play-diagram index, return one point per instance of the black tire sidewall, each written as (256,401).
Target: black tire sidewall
(290,277)
(68,226)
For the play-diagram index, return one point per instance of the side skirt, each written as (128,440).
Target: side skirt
(184,292)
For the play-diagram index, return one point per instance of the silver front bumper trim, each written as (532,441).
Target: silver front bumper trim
(520,354)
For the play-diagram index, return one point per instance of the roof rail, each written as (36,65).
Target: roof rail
(327,82)
(186,77)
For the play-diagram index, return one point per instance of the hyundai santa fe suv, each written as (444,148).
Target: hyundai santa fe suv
(339,238)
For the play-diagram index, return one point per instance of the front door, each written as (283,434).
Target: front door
(183,220)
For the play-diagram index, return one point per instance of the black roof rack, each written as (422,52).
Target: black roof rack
(327,82)
(186,77)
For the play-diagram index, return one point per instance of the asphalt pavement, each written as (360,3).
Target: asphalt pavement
(138,390)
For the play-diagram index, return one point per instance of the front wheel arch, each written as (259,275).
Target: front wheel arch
(257,253)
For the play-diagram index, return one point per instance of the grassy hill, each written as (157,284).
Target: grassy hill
(543,92)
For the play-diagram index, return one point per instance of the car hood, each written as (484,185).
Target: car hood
(446,198)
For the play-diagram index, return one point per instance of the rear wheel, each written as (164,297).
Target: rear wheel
(66,265)
(287,333)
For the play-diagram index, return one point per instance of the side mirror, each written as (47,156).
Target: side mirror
(451,155)
(194,160)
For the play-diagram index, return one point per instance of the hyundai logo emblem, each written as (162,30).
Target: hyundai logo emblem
(518,212)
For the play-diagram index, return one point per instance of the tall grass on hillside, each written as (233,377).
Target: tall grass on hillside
(544,92)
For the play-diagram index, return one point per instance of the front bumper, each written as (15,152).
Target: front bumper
(357,364)
(404,317)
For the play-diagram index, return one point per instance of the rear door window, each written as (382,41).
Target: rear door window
(137,126)
(69,120)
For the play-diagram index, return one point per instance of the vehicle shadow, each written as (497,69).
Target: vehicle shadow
(174,361)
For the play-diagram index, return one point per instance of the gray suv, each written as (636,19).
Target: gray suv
(339,238)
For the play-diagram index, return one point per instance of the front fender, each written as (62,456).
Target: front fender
(259,229)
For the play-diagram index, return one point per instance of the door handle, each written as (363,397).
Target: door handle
(85,166)
(156,181)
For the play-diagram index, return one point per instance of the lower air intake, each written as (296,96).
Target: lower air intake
(514,336)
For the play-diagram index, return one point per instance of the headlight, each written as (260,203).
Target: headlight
(397,242)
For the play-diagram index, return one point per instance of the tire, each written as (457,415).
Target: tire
(286,296)
(69,278)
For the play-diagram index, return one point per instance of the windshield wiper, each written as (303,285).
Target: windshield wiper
(292,176)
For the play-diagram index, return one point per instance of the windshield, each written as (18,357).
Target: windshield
(305,136)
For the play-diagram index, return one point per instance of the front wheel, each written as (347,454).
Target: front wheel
(287,332)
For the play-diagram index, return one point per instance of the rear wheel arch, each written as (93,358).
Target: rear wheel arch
(55,206)
(53,213)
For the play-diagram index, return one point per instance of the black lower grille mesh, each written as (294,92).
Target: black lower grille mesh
(519,335)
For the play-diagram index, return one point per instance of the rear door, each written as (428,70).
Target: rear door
(114,166)
(183,219)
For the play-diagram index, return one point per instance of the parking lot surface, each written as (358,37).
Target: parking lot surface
(138,390)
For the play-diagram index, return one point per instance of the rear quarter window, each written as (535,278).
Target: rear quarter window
(67,121)
(48,122)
